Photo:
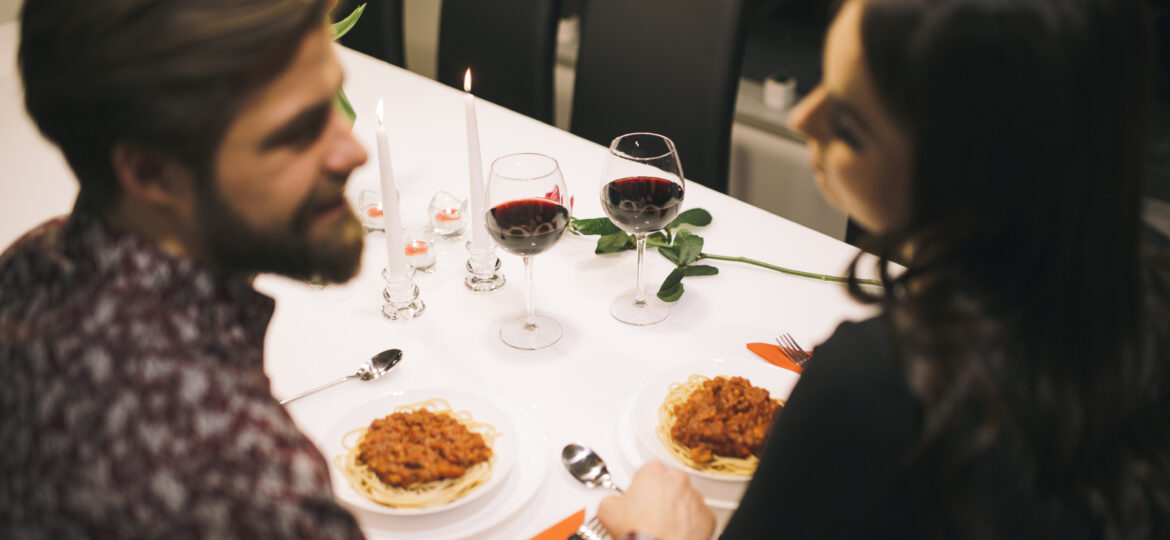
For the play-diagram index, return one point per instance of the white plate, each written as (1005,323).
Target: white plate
(640,417)
(482,409)
(471,519)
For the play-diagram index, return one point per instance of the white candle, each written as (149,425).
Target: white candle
(475,169)
(396,266)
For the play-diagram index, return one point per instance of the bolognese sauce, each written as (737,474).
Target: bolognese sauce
(409,448)
(726,417)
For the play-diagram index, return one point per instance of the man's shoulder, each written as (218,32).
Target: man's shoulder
(43,244)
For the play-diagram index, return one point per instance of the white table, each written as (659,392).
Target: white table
(574,390)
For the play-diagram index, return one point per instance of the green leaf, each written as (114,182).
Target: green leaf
(346,106)
(613,243)
(342,27)
(689,246)
(672,288)
(700,270)
(660,236)
(695,216)
(671,253)
(594,226)
(672,294)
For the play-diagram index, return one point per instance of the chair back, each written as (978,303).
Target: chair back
(379,32)
(510,46)
(665,66)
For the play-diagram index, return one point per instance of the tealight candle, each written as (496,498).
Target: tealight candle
(448,215)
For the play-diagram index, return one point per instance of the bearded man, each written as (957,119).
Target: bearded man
(208,147)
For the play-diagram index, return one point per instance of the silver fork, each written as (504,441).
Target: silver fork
(793,350)
(591,530)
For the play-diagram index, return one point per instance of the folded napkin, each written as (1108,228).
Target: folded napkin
(774,354)
(564,529)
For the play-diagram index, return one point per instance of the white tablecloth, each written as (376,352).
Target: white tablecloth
(575,390)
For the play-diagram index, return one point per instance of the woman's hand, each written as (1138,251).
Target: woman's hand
(661,503)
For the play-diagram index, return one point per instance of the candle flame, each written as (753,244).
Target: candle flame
(379,111)
(467,81)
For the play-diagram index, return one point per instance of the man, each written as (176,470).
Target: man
(208,148)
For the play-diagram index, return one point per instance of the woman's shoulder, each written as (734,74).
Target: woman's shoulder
(856,374)
(859,350)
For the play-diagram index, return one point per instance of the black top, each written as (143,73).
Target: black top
(830,469)
(834,465)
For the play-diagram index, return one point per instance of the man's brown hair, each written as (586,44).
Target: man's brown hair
(170,74)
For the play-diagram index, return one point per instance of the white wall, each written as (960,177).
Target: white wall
(9,9)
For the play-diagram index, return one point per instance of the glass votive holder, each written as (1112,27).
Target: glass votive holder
(447,214)
(420,249)
(370,210)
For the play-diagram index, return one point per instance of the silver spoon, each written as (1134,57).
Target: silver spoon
(370,370)
(587,467)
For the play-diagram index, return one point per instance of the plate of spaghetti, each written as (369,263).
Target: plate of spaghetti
(716,426)
(709,418)
(421,451)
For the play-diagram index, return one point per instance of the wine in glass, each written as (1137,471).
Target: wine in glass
(526,215)
(641,192)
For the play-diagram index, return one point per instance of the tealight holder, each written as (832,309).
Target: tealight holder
(448,215)
(401,296)
(483,269)
(420,249)
(370,210)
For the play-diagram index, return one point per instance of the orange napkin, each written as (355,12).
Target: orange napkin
(774,354)
(564,529)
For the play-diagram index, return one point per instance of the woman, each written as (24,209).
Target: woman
(1016,382)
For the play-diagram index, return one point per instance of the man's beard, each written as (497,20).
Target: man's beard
(235,246)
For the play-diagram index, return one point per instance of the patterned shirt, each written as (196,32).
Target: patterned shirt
(134,402)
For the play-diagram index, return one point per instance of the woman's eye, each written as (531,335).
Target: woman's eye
(843,132)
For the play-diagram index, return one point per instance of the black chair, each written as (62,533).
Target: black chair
(510,46)
(665,66)
(379,32)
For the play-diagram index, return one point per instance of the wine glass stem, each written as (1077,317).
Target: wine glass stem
(639,295)
(530,301)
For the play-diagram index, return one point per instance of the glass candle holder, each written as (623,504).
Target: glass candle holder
(370,210)
(420,249)
(447,214)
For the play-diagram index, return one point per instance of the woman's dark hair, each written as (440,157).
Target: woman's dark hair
(167,73)
(1032,326)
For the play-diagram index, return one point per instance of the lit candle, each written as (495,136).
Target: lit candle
(396,266)
(448,214)
(475,165)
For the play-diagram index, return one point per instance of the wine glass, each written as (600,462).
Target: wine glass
(525,216)
(641,192)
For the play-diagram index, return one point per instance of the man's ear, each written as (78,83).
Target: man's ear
(151,176)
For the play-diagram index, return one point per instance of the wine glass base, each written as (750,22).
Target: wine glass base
(627,310)
(544,333)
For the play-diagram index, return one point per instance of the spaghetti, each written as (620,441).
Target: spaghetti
(718,425)
(422,455)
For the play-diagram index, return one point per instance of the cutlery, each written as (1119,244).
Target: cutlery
(589,469)
(370,370)
(793,350)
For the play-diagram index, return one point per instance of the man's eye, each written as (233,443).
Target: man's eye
(308,134)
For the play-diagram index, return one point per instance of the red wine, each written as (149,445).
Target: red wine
(641,204)
(527,226)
